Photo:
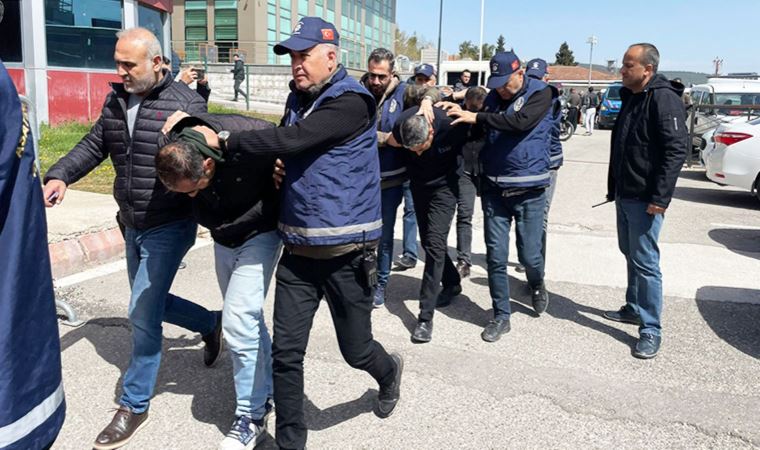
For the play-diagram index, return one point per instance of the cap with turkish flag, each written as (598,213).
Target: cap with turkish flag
(503,65)
(309,31)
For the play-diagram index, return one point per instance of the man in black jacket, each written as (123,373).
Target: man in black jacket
(649,143)
(238,203)
(157,227)
(238,73)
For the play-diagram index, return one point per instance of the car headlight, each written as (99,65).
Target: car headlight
(603,108)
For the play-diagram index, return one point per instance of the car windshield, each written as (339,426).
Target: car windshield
(613,93)
(728,99)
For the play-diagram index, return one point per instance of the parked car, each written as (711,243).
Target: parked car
(609,106)
(735,158)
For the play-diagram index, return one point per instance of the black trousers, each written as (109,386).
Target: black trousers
(434,208)
(572,116)
(301,283)
(465,209)
(238,90)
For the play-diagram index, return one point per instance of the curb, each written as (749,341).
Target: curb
(73,255)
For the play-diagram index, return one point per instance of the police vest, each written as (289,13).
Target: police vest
(392,160)
(517,159)
(332,197)
(555,150)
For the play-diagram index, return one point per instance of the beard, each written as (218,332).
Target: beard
(140,86)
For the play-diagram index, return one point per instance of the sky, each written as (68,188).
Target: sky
(536,28)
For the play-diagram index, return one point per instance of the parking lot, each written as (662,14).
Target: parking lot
(562,380)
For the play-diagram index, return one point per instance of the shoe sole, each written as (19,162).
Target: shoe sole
(120,444)
(615,319)
(376,306)
(490,340)
(400,375)
(644,356)
(421,341)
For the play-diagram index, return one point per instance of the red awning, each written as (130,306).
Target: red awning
(163,5)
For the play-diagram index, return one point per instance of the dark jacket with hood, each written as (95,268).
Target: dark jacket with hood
(649,143)
(241,201)
(143,200)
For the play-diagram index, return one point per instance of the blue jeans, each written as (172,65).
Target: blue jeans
(410,224)
(153,256)
(390,198)
(549,198)
(244,274)
(637,240)
(527,210)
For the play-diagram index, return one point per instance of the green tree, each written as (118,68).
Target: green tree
(564,56)
(501,44)
(488,51)
(407,45)
(468,50)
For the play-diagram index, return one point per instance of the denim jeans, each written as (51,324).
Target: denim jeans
(244,274)
(410,224)
(153,256)
(465,209)
(527,210)
(549,198)
(637,240)
(390,199)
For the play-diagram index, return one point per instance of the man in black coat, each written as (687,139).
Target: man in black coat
(158,230)
(238,73)
(649,144)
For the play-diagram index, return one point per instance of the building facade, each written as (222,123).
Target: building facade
(60,52)
(212,30)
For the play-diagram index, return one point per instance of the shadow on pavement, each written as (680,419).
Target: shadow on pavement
(182,371)
(733,199)
(322,419)
(738,324)
(697,174)
(742,241)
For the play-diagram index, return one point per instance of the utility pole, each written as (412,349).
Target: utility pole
(440,24)
(593,41)
(480,48)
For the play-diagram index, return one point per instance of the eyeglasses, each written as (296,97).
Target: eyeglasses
(380,77)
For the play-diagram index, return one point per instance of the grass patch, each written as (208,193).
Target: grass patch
(57,141)
(219,109)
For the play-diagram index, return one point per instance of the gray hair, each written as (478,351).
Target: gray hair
(379,55)
(145,37)
(179,161)
(475,93)
(650,55)
(414,131)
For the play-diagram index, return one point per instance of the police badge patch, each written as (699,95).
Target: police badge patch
(394,105)
(519,103)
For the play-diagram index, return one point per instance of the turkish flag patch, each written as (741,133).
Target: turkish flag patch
(327,34)
(515,65)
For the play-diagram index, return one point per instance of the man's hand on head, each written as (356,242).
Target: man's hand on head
(211,138)
(172,120)
(463,117)
(448,106)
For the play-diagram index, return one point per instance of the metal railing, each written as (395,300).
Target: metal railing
(710,120)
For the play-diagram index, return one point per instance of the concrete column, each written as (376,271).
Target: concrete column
(130,14)
(34,49)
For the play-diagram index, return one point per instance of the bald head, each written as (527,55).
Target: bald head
(138,60)
(142,37)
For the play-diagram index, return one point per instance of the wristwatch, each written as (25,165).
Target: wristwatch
(223,136)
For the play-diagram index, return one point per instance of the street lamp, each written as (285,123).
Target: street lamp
(593,41)
(438,59)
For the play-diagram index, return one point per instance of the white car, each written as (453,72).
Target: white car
(735,158)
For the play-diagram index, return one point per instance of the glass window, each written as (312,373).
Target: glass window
(153,20)
(303,8)
(82,33)
(10,32)
(196,28)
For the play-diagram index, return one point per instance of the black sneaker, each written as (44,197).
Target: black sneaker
(214,343)
(464,269)
(423,332)
(519,268)
(405,262)
(447,295)
(494,330)
(389,396)
(540,299)
(648,346)
(625,315)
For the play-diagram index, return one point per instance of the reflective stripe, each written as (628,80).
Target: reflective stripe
(544,176)
(391,173)
(556,157)
(336,231)
(37,416)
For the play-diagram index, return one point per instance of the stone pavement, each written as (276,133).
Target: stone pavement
(562,380)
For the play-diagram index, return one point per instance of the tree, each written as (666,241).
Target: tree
(488,51)
(408,46)
(468,50)
(565,56)
(501,44)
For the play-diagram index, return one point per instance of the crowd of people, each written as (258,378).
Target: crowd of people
(314,201)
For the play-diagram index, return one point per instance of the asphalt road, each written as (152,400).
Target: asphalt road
(562,380)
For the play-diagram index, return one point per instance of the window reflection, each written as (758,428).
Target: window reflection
(82,33)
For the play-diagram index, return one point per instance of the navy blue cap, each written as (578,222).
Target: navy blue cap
(424,69)
(503,65)
(536,68)
(309,31)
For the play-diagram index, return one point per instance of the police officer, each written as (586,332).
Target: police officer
(537,69)
(330,220)
(515,159)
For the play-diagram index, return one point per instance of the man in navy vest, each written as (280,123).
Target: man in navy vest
(537,69)
(330,220)
(32,405)
(518,122)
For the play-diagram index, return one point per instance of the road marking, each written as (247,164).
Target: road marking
(738,227)
(112,267)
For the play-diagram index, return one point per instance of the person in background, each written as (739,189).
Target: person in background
(238,74)
(590,104)
(464,81)
(573,107)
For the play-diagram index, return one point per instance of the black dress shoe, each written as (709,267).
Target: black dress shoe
(540,299)
(405,262)
(447,295)
(213,340)
(648,346)
(464,269)
(519,268)
(122,428)
(388,397)
(494,330)
(423,332)
(625,314)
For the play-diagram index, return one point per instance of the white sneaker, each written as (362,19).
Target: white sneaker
(244,434)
